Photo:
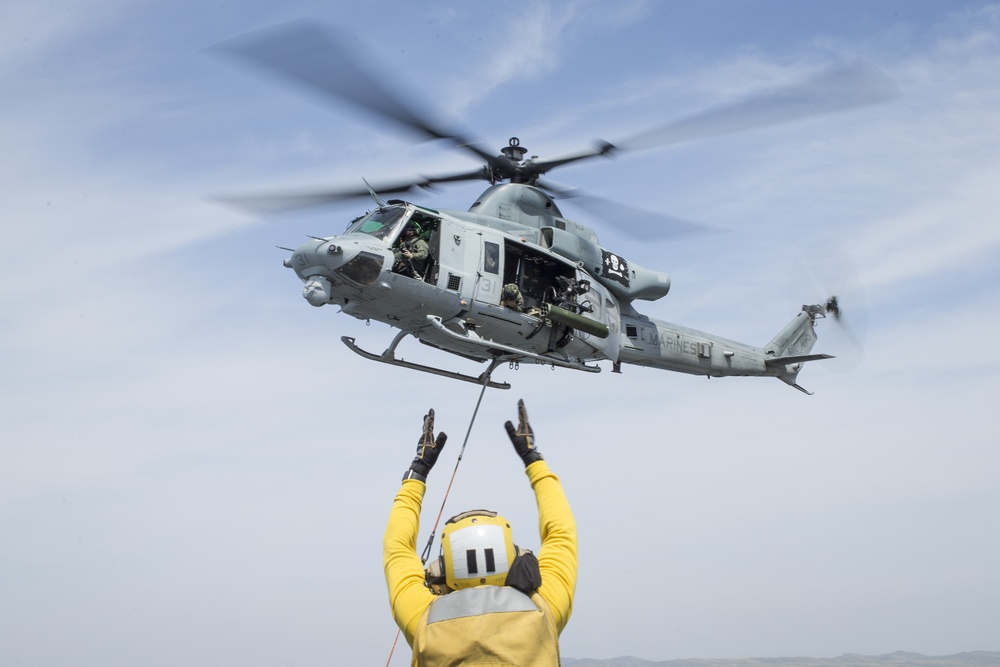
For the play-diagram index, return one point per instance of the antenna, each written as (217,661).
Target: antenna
(378,200)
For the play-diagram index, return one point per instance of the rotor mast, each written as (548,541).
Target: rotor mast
(515,152)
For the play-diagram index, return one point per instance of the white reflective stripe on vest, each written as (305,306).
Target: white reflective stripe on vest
(476,601)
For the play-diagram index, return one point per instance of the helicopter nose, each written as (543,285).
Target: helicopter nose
(315,262)
(327,267)
(317,257)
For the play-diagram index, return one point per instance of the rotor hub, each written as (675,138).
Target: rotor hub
(514,151)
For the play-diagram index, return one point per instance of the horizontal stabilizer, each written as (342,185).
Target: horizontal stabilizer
(784,361)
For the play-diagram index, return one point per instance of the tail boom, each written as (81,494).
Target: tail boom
(658,344)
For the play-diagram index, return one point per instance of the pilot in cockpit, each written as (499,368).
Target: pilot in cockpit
(410,253)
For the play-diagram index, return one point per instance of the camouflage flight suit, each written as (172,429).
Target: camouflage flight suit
(511,297)
(414,264)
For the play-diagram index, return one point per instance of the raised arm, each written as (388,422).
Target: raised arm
(557,558)
(404,573)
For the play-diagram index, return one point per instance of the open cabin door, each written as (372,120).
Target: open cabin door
(545,280)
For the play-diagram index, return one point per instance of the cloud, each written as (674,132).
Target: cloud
(186,440)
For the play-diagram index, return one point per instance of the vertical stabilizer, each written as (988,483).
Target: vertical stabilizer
(789,350)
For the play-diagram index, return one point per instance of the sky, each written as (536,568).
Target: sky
(194,470)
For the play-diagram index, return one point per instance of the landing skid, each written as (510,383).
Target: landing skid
(509,352)
(389,357)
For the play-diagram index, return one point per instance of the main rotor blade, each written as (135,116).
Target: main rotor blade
(641,224)
(287,202)
(839,89)
(601,148)
(635,222)
(320,60)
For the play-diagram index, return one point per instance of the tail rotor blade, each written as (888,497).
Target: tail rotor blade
(825,274)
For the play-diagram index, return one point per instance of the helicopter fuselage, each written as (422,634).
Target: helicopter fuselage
(512,280)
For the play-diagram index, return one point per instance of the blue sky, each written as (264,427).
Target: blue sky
(194,469)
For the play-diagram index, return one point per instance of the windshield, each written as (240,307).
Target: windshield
(381,223)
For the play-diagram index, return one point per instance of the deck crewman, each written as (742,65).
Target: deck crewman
(484,600)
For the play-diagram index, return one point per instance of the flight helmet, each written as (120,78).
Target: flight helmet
(477,548)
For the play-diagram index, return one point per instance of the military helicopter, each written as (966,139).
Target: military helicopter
(511,280)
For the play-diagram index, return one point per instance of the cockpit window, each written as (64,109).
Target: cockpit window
(380,223)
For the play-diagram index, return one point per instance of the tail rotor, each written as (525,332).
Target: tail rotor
(825,275)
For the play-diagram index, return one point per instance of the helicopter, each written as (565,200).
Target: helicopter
(511,280)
